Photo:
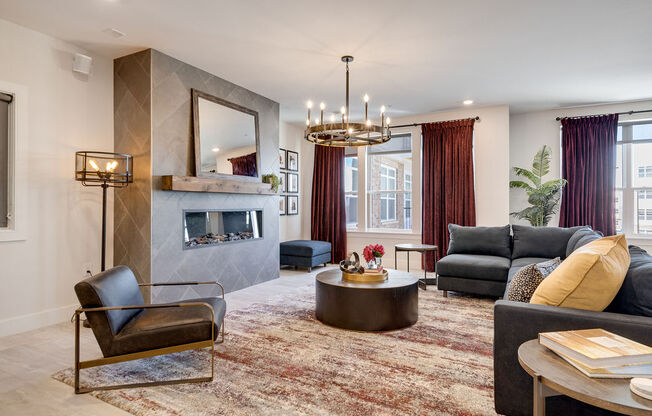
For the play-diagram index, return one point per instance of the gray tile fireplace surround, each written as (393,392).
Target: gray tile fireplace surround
(153,122)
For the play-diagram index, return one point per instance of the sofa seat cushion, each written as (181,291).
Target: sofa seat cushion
(305,248)
(589,278)
(474,266)
(525,261)
(635,295)
(491,241)
(166,327)
(549,242)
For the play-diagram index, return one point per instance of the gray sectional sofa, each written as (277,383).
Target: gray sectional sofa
(629,315)
(483,260)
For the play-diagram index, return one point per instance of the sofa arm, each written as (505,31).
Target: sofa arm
(517,322)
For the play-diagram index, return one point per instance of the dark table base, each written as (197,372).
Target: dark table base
(367,309)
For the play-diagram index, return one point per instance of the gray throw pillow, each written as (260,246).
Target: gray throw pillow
(490,241)
(582,237)
(528,278)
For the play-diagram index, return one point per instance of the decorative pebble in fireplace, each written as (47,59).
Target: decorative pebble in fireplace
(211,227)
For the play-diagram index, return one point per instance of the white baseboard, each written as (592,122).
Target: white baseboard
(36,320)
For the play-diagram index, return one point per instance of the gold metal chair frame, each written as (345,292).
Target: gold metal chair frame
(79,365)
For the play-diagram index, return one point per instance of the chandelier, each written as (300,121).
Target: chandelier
(344,132)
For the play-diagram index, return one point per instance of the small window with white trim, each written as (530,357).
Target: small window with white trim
(634,178)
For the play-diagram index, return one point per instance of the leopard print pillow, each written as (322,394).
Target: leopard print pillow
(524,283)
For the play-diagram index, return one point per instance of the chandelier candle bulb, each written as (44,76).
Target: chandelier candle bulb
(366,107)
(321,117)
(309,107)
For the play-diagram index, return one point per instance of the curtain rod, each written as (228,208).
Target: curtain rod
(477,118)
(8,98)
(596,115)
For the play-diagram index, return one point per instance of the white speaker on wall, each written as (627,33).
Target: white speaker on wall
(82,64)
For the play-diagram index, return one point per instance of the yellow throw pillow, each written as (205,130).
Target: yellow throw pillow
(589,278)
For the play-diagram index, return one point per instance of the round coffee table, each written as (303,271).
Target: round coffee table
(392,304)
(553,376)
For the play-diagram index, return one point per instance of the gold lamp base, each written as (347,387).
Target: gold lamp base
(369,276)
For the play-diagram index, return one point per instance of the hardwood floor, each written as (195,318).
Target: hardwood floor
(28,360)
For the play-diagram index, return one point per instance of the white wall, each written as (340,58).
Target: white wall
(67,112)
(297,227)
(530,131)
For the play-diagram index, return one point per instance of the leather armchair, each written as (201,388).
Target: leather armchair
(127,329)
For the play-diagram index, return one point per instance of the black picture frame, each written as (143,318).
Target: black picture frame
(292,201)
(283,205)
(292,179)
(283,182)
(292,161)
(282,159)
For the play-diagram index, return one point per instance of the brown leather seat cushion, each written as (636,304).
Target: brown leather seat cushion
(165,327)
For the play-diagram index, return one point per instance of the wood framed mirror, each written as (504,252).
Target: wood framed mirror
(227,142)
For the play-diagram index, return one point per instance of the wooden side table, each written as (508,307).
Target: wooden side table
(420,248)
(553,376)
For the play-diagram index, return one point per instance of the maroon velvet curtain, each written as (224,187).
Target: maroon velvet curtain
(589,164)
(328,209)
(245,165)
(448,191)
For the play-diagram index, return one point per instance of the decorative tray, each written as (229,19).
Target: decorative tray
(369,276)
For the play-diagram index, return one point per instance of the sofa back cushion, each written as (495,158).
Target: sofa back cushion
(589,278)
(491,241)
(549,242)
(582,237)
(635,295)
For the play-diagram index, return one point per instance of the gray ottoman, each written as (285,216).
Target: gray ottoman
(305,253)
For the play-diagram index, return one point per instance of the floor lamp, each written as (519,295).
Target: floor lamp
(106,170)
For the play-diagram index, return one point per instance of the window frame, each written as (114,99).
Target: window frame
(630,211)
(349,194)
(365,197)
(18,209)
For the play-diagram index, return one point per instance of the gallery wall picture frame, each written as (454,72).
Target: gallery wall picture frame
(282,204)
(282,158)
(292,161)
(282,182)
(292,183)
(293,205)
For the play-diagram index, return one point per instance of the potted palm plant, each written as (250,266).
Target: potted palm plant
(543,197)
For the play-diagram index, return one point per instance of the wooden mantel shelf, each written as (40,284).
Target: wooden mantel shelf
(217,185)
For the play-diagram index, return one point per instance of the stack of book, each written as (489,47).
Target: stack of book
(599,353)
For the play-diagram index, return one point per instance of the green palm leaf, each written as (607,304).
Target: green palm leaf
(543,197)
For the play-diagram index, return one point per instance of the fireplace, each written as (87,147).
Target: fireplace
(205,228)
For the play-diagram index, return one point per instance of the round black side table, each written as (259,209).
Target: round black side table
(419,248)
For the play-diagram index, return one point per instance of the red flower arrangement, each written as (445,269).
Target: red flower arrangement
(372,251)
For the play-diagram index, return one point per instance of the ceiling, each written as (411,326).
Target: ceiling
(415,56)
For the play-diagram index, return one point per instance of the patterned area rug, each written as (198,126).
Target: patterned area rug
(277,359)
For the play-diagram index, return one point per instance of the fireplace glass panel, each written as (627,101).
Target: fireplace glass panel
(204,228)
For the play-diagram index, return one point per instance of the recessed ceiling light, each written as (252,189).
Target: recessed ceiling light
(215,149)
(467,102)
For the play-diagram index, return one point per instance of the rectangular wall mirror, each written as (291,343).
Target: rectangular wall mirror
(226,138)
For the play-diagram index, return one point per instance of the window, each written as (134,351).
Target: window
(389,184)
(645,171)
(351,189)
(5,215)
(634,178)
(407,208)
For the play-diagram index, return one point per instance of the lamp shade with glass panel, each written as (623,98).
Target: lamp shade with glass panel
(106,170)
